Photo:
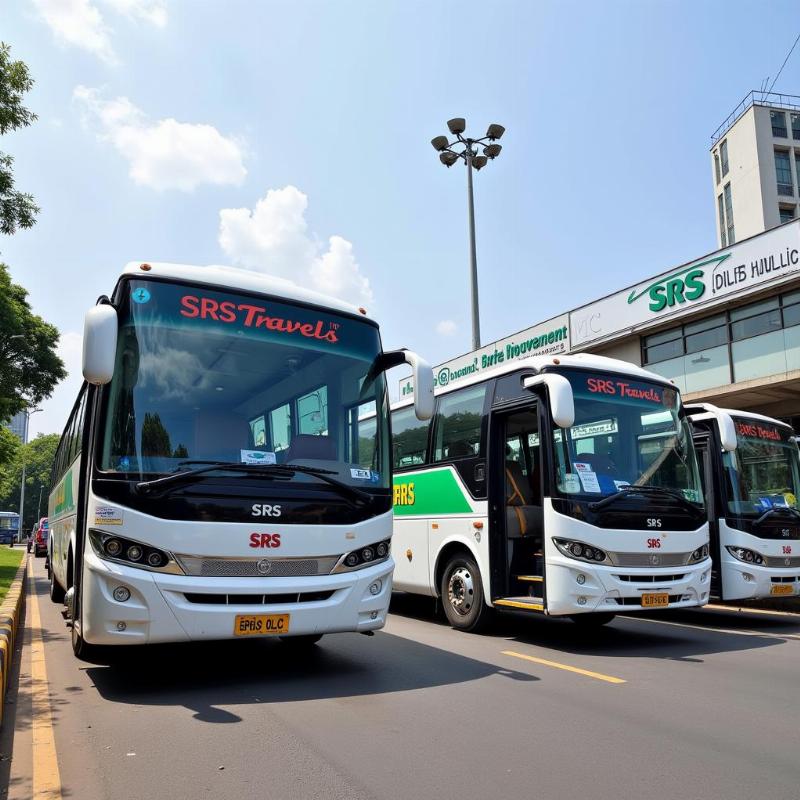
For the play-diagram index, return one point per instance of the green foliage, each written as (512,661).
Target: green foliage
(17,209)
(9,444)
(10,559)
(37,456)
(29,365)
(155,439)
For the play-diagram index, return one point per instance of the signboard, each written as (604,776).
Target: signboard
(770,258)
(547,338)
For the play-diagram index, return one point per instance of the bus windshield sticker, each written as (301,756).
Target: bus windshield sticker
(108,515)
(572,484)
(588,477)
(361,474)
(257,457)
(620,484)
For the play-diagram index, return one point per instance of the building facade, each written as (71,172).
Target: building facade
(18,425)
(755,166)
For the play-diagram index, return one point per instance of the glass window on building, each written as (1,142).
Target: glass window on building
(729,213)
(755,319)
(722,236)
(664,345)
(783,173)
(796,126)
(787,213)
(791,309)
(716,167)
(706,333)
(778,119)
(723,155)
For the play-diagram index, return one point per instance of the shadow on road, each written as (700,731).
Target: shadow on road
(205,676)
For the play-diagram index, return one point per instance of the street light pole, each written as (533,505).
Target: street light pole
(466,149)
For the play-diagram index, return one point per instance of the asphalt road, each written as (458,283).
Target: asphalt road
(701,704)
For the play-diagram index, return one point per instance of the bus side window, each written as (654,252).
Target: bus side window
(409,438)
(458,424)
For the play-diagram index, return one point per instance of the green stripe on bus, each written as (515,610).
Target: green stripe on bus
(429,494)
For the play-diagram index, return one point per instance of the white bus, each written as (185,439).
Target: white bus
(564,486)
(751,471)
(218,476)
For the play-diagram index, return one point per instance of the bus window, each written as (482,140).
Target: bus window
(280,427)
(458,424)
(409,438)
(258,431)
(362,436)
(312,412)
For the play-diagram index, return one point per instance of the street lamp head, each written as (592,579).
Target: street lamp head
(439,142)
(457,125)
(495,131)
(479,162)
(448,158)
(492,150)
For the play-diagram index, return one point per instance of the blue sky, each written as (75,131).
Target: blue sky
(157,115)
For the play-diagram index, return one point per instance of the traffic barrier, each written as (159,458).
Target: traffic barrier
(10,613)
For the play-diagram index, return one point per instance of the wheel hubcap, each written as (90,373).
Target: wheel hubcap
(461,590)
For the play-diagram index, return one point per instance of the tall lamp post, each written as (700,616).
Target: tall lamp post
(466,149)
(28,413)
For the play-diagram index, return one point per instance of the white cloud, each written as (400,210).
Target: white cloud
(152,11)
(78,23)
(55,410)
(163,154)
(273,238)
(446,327)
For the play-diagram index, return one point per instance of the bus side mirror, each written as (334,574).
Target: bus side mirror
(423,384)
(727,432)
(562,403)
(99,344)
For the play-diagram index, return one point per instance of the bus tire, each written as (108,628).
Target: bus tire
(81,649)
(300,642)
(56,591)
(461,591)
(592,620)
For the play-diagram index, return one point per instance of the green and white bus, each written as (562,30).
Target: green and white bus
(559,485)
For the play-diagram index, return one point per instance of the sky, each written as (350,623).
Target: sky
(294,138)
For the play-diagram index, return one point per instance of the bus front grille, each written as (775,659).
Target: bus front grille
(199,566)
(782,561)
(649,559)
(256,599)
(650,578)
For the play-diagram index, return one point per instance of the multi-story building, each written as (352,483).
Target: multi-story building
(18,425)
(755,166)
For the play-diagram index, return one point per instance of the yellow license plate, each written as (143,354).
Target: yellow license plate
(655,600)
(261,624)
(781,588)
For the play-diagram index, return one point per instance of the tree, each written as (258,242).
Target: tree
(29,365)
(37,456)
(17,209)
(9,444)
(155,438)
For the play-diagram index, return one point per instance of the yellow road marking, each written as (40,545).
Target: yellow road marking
(733,631)
(588,673)
(765,611)
(46,777)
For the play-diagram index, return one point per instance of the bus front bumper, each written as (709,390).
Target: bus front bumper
(583,587)
(745,581)
(178,608)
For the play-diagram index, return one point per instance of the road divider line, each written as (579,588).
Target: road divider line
(46,777)
(567,667)
(734,631)
(772,612)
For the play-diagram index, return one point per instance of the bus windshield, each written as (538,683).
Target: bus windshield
(627,432)
(764,470)
(204,375)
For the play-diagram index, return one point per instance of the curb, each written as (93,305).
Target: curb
(10,612)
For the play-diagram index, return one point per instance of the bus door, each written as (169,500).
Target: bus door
(516,492)
(704,444)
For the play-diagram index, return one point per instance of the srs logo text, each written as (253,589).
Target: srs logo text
(265,510)
(265,540)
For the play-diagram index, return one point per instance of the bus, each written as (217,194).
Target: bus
(225,470)
(566,486)
(750,467)
(9,527)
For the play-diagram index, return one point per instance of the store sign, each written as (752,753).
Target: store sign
(752,264)
(548,338)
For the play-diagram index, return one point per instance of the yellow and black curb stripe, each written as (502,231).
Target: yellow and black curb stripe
(10,613)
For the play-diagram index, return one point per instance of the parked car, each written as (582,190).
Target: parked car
(40,538)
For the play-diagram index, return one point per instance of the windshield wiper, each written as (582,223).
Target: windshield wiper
(273,471)
(660,490)
(780,511)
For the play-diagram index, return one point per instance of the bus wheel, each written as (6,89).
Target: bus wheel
(56,592)
(592,620)
(462,594)
(301,641)
(82,650)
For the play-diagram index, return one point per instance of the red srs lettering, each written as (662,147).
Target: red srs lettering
(208,308)
(265,540)
(654,543)
(189,303)
(227,311)
(787,549)
(598,385)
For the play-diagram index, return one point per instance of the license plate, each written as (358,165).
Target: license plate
(781,588)
(655,600)
(261,624)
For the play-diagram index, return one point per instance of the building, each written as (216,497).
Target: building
(18,425)
(755,166)
(725,327)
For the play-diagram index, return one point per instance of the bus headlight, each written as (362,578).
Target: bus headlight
(581,551)
(364,556)
(133,554)
(748,556)
(699,554)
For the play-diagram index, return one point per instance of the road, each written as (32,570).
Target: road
(700,704)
